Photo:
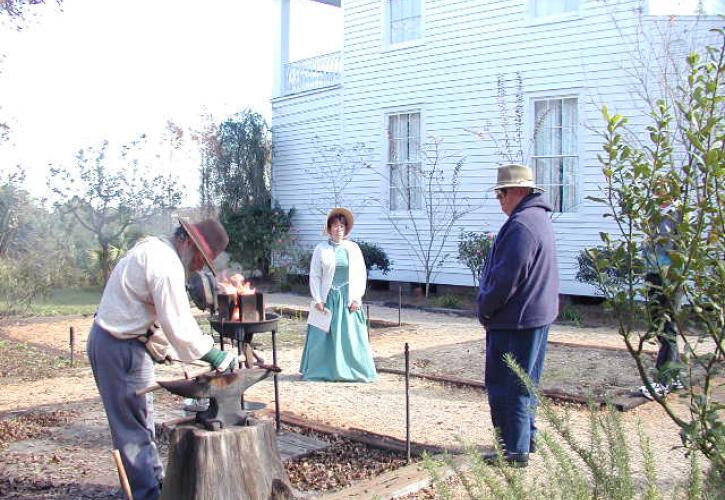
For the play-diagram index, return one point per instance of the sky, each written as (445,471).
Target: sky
(113,69)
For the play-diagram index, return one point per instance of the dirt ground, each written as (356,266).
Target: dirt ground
(63,442)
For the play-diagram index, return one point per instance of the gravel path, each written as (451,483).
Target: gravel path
(444,415)
(441,415)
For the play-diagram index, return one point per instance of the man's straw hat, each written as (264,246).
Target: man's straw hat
(513,175)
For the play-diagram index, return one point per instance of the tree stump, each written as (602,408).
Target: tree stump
(235,463)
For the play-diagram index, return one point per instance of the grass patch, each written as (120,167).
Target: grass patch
(68,301)
(571,315)
(448,301)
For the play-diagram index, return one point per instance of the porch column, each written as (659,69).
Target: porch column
(282,49)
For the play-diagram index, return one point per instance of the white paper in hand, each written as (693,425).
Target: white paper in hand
(319,319)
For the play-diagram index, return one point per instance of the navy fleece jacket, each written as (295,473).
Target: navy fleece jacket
(519,286)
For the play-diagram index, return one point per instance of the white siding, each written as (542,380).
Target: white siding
(451,78)
(300,125)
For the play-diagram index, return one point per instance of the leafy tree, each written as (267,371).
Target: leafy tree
(33,258)
(107,201)
(236,170)
(18,8)
(682,165)
(14,204)
(255,232)
(236,178)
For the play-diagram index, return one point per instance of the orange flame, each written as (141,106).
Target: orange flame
(234,285)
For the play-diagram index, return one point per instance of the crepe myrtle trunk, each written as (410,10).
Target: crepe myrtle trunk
(105,261)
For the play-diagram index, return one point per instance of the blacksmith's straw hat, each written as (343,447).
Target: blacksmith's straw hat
(210,238)
(513,175)
(340,211)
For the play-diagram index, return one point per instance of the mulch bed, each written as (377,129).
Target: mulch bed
(11,489)
(331,469)
(582,373)
(337,466)
(32,424)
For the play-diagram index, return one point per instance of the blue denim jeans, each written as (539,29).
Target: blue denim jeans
(660,306)
(120,368)
(513,409)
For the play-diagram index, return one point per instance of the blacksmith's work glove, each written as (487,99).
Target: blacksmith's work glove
(221,360)
(157,344)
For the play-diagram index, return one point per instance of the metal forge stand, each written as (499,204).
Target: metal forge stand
(242,332)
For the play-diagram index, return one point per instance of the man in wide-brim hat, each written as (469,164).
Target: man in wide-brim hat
(145,289)
(517,301)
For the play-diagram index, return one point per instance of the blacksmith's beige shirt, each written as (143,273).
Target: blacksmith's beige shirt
(148,284)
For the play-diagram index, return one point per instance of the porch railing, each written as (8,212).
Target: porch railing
(312,73)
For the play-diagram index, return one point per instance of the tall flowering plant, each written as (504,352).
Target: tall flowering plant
(473,250)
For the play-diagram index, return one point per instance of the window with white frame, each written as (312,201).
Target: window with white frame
(546,8)
(555,159)
(403,20)
(404,161)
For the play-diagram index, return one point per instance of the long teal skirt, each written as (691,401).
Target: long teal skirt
(343,354)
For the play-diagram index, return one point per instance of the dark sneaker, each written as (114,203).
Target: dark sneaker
(195,405)
(510,459)
(676,385)
(659,389)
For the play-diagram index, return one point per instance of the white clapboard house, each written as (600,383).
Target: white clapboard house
(413,71)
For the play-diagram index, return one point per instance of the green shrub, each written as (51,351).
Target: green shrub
(572,315)
(448,301)
(473,250)
(610,275)
(65,301)
(375,257)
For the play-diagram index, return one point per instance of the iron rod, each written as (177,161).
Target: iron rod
(400,302)
(221,333)
(407,403)
(240,333)
(276,383)
(72,346)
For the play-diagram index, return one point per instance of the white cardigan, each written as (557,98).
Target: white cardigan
(322,270)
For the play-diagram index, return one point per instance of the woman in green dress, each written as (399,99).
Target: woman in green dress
(337,282)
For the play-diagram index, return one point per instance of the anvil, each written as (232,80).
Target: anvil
(224,391)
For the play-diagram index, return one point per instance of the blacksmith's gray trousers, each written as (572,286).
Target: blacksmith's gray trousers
(120,368)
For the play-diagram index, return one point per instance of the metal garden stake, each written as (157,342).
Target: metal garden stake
(400,302)
(407,403)
(72,345)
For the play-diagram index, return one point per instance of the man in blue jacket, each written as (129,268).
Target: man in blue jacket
(517,301)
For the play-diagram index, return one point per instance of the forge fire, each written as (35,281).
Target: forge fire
(234,285)
(238,301)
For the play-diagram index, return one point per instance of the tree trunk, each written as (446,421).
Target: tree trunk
(235,463)
(104,262)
